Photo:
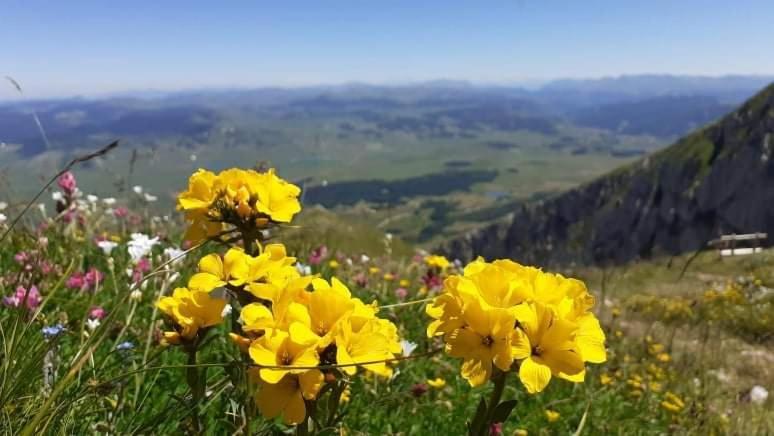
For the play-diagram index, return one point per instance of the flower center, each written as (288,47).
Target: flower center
(487,341)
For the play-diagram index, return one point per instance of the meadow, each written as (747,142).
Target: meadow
(98,338)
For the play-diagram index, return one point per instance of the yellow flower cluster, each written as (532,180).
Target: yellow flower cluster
(296,324)
(236,197)
(437,261)
(506,315)
(305,329)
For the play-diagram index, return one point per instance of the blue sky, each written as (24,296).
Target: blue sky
(60,48)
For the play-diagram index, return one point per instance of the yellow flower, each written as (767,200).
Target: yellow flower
(328,304)
(672,403)
(547,345)
(437,261)
(277,198)
(388,277)
(192,310)
(374,270)
(663,357)
(655,348)
(286,397)
(403,283)
(200,193)
(368,347)
(345,396)
(520,432)
(605,379)
(484,339)
(437,383)
(333,264)
(552,415)
(276,348)
(215,272)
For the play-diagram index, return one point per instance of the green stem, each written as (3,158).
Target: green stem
(196,382)
(498,378)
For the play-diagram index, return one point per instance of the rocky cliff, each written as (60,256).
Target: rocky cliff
(719,179)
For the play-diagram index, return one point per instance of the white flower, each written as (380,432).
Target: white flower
(174,253)
(3,205)
(3,218)
(408,347)
(758,394)
(92,198)
(92,324)
(57,196)
(137,189)
(304,270)
(364,258)
(141,245)
(136,295)
(42,208)
(107,246)
(150,198)
(226,310)
(173,277)
(388,236)
(109,201)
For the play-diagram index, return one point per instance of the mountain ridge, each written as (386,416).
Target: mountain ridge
(718,179)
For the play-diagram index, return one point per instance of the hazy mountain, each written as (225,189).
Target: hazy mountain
(719,179)
(589,92)
(660,116)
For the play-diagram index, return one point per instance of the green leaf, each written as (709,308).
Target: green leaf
(479,419)
(503,411)
(582,424)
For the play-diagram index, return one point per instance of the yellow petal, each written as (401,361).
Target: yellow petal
(212,264)
(311,382)
(272,399)
(477,371)
(205,282)
(520,345)
(535,376)
(590,340)
(295,411)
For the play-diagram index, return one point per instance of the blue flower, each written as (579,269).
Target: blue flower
(52,331)
(125,346)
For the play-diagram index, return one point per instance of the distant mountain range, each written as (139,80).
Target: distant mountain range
(716,180)
(657,105)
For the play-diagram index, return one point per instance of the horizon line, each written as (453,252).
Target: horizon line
(526,83)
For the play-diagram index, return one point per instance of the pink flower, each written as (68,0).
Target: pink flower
(93,277)
(46,268)
(401,293)
(97,312)
(143,265)
(31,298)
(22,257)
(496,429)
(432,281)
(361,280)
(121,212)
(76,281)
(318,255)
(67,183)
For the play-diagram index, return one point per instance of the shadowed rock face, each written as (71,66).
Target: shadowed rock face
(717,180)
